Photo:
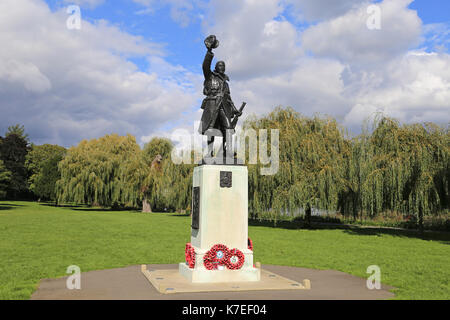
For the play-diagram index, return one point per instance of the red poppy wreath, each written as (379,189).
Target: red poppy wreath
(235,259)
(189,253)
(217,255)
(250,244)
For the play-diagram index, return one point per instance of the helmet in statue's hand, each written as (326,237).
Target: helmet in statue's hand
(211,42)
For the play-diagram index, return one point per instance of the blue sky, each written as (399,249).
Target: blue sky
(432,11)
(135,65)
(184,43)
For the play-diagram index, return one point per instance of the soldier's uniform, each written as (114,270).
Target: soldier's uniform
(218,108)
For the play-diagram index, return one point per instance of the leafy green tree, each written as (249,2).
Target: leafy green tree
(157,146)
(399,168)
(18,130)
(5,177)
(155,153)
(390,168)
(311,172)
(91,171)
(135,174)
(172,187)
(13,150)
(42,163)
(155,181)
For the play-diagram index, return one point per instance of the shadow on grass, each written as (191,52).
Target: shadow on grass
(106,210)
(86,208)
(178,214)
(10,206)
(278,224)
(319,223)
(443,237)
(296,223)
(49,204)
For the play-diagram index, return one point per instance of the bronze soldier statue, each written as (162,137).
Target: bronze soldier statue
(219,113)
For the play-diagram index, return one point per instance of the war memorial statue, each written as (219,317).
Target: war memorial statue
(219,255)
(219,249)
(219,112)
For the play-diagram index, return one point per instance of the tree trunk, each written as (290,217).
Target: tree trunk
(420,220)
(308,215)
(355,206)
(146,206)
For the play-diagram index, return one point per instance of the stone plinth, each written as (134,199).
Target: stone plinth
(220,216)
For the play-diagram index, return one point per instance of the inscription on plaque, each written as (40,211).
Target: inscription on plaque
(226,179)
(195,207)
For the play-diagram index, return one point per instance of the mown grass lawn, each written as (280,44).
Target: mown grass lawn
(38,241)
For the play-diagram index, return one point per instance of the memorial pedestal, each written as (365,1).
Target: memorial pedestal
(220,216)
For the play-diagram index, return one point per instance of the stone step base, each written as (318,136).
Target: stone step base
(198,275)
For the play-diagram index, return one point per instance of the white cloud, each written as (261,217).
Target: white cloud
(26,74)
(313,85)
(313,10)
(414,88)
(254,42)
(348,39)
(66,85)
(266,63)
(352,72)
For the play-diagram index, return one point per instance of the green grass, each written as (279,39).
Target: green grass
(39,241)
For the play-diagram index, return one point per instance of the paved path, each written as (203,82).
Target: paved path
(129,283)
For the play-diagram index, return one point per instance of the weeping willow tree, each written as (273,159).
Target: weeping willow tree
(167,187)
(114,170)
(157,146)
(157,182)
(391,167)
(313,153)
(172,187)
(91,174)
(134,175)
(155,153)
(398,168)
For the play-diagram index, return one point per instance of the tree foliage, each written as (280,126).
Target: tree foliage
(5,177)
(42,164)
(390,168)
(172,187)
(91,171)
(18,130)
(165,186)
(311,171)
(13,150)
(400,168)
(161,146)
(387,168)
